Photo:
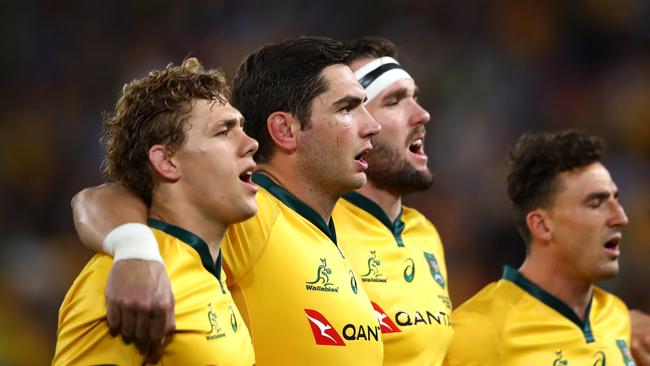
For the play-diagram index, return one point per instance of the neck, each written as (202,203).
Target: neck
(389,202)
(553,277)
(303,188)
(178,211)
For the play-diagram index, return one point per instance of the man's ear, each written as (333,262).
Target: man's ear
(161,160)
(282,128)
(539,224)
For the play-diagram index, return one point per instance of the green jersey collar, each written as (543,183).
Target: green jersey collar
(396,228)
(294,203)
(195,242)
(513,275)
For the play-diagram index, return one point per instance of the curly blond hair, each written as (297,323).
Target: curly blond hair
(153,110)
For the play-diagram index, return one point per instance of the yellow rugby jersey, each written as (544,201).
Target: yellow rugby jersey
(209,328)
(401,265)
(514,322)
(297,292)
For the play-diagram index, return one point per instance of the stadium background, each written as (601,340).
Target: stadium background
(487,71)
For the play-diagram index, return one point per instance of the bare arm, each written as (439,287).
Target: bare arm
(96,211)
(640,337)
(139,299)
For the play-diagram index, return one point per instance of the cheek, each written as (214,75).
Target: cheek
(204,151)
(346,122)
(197,151)
(345,137)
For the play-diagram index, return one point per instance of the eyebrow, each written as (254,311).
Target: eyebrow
(603,195)
(228,122)
(348,99)
(399,94)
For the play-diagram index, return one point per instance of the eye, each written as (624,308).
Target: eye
(595,204)
(223,132)
(346,109)
(225,129)
(391,102)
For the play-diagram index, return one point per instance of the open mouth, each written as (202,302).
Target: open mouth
(247,176)
(612,245)
(416,146)
(363,156)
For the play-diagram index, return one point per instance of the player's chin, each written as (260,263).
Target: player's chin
(246,209)
(420,165)
(251,207)
(608,270)
(358,180)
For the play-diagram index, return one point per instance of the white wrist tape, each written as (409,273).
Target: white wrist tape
(132,241)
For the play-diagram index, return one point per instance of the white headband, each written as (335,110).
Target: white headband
(379,74)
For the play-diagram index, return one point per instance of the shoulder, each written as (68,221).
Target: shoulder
(415,220)
(493,304)
(259,225)
(479,323)
(246,241)
(607,304)
(608,299)
(420,231)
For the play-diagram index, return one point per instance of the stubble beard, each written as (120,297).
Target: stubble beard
(316,163)
(389,171)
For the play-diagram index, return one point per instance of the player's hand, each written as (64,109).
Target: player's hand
(640,337)
(155,351)
(140,305)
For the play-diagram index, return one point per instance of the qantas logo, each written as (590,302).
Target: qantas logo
(323,331)
(387,325)
(325,334)
(405,319)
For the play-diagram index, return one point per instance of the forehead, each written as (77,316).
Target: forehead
(583,181)
(403,84)
(341,82)
(206,113)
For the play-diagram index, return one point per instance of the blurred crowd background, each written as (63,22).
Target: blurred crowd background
(487,71)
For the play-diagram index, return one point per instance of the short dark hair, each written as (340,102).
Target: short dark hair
(153,110)
(372,47)
(284,76)
(536,161)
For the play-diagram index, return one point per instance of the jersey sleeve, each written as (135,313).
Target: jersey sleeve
(475,341)
(245,242)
